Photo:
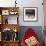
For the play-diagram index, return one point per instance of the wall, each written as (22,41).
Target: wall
(26,3)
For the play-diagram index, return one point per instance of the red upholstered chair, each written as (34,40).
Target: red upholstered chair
(28,34)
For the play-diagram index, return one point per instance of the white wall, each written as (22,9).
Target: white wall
(32,3)
(26,3)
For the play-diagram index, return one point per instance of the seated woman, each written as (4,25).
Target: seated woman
(30,38)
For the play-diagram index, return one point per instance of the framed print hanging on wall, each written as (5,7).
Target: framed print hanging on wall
(30,13)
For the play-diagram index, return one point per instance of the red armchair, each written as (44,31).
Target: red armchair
(30,35)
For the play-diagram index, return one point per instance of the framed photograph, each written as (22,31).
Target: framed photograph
(13,12)
(5,12)
(30,13)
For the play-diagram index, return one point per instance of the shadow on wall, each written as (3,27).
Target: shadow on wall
(37,29)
